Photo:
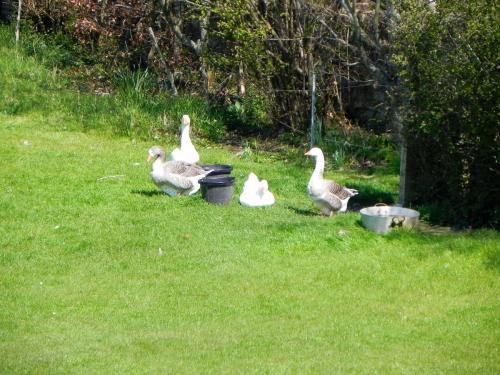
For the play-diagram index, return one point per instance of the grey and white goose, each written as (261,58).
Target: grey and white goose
(330,196)
(174,177)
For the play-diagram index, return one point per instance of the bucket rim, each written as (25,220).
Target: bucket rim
(220,181)
(217,169)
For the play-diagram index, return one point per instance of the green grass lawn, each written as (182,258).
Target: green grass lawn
(84,288)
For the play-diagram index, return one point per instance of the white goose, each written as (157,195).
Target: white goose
(256,193)
(187,153)
(174,177)
(328,195)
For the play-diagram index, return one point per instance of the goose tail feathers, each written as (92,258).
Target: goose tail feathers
(353,192)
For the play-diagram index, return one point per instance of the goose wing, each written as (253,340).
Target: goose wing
(338,190)
(185,169)
(175,180)
(331,199)
(178,174)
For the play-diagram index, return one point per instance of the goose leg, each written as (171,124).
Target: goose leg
(326,211)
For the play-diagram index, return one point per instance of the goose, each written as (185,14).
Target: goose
(328,195)
(256,193)
(174,177)
(187,153)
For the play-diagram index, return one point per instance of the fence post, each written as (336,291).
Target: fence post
(313,131)
(18,20)
(403,186)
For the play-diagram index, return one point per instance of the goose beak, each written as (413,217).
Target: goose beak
(308,153)
(149,158)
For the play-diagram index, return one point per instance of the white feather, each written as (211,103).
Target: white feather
(187,152)
(256,193)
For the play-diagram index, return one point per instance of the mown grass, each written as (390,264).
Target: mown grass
(85,289)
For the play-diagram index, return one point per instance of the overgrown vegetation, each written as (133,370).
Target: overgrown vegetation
(449,61)
(358,148)
(131,109)
(142,109)
(225,50)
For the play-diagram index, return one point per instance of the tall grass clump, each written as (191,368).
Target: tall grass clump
(356,147)
(249,114)
(54,50)
(36,79)
(207,120)
(153,113)
(24,84)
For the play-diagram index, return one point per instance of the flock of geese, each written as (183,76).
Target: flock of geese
(179,174)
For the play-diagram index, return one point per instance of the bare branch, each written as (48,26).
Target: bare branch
(170,75)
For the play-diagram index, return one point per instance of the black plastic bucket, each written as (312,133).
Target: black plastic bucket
(217,190)
(218,170)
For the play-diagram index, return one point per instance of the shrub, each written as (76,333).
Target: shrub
(249,114)
(449,63)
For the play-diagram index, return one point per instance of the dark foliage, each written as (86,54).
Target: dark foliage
(450,66)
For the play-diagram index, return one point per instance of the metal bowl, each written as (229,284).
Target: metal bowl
(382,218)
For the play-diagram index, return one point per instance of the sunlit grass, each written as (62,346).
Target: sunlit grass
(85,289)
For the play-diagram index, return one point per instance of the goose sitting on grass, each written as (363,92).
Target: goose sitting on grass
(256,193)
(328,195)
(187,153)
(174,177)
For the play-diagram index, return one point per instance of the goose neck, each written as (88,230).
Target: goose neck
(185,139)
(320,166)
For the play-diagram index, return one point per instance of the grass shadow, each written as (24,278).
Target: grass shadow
(302,211)
(359,224)
(148,193)
(436,230)
(369,196)
(492,260)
